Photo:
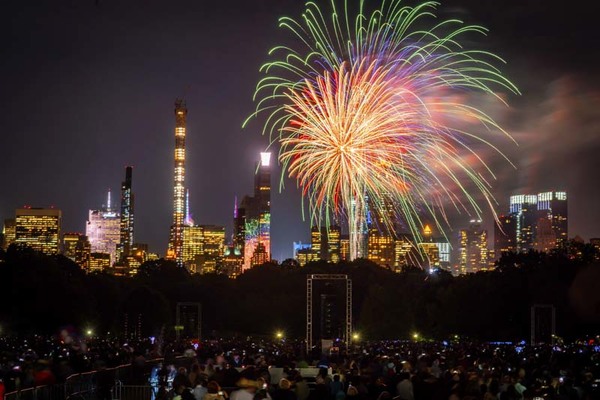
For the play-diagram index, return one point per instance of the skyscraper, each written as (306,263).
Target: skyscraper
(262,194)
(8,233)
(334,234)
(537,222)
(316,243)
(232,262)
(193,245)
(505,234)
(126,224)
(77,247)
(39,228)
(175,250)
(403,252)
(473,248)
(213,248)
(381,247)
(103,230)
(553,206)
(99,262)
(325,243)
(434,250)
(252,219)
(524,208)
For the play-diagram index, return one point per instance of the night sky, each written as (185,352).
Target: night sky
(88,86)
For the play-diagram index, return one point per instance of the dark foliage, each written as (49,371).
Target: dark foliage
(42,294)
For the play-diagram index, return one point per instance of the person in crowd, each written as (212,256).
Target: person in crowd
(214,392)
(404,388)
(336,386)
(247,389)
(182,392)
(194,375)
(181,378)
(200,389)
(301,387)
(284,391)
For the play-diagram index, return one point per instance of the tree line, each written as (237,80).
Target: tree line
(43,294)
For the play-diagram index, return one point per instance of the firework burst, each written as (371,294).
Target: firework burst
(372,115)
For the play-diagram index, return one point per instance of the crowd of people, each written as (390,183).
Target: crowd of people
(401,370)
(279,369)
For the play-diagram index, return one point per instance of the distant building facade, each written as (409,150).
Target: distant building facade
(9,232)
(473,248)
(126,227)
(39,228)
(77,248)
(252,218)
(103,230)
(204,248)
(535,222)
(175,248)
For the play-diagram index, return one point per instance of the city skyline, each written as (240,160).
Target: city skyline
(92,106)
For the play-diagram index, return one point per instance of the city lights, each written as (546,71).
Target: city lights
(385,121)
(175,248)
(363,117)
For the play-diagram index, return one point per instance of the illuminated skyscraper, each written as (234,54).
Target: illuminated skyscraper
(316,243)
(345,247)
(70,244)
(204,247)
(325,243)
(429,251)
(239,227)
(175,250)
(381,247)
(126,224)
(77,247)
(524,208)
(38,228)
(262,194)
(252,219)
(553,206)
(232,262)
(540,222)
(103,230)
(140,252)
(403,249)
(193,245)
(259,256)
(99,262)
(213,248)
(303,253)
(473,248)
(334,235)
(8,233)
(435,251)
(505,234)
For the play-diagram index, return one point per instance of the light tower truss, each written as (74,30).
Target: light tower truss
(309,306)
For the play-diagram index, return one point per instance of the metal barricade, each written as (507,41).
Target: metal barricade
(133,392)
(80,383)
(25,394)
(83,386)
(46,392)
